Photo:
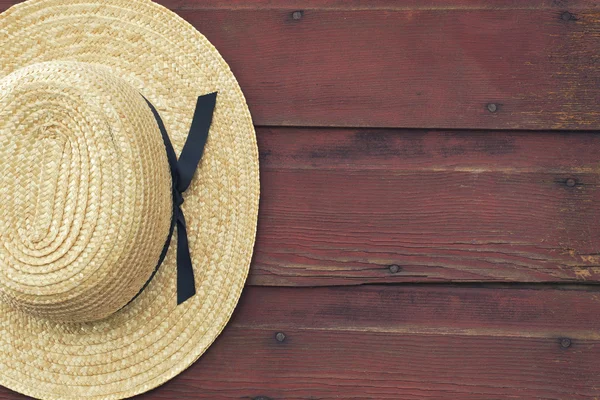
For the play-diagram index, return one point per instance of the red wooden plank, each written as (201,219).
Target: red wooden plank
(375,4)
(438,65)
(425,68)
(392,5)
(340,206)
(401,342)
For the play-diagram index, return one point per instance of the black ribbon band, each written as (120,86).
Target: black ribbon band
(182,173)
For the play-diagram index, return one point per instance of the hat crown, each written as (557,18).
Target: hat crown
(85,191)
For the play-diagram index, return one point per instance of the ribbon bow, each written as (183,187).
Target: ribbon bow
(182,173)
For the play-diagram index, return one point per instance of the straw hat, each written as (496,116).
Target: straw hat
(94,301)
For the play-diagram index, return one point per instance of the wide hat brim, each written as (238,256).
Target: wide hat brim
(152,339)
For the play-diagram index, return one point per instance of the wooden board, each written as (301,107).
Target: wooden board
(410,64)
(362,5)
(340,206)
(400,342)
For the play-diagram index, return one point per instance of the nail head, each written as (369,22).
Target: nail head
(565,343)
(566,16)
(571,182)
(296,15)
(492,107)
(280,336)
(394,268)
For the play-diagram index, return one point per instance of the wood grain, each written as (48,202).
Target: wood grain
(413,68)
(392,5)
(400,342)
(434,65)
(340,206)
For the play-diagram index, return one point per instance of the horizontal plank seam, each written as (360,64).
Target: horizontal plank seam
(428,129)
(546,285)
(397,171)
(516,332)
(398,8)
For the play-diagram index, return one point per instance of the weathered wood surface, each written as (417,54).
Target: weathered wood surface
(410,64)
(373,5)
(400,342)
(406,212)
(340,206)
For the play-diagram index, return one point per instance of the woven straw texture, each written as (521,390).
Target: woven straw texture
(85,197)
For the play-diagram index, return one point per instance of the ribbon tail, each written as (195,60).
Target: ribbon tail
(190,157)
(193,149)
(182,172)
(186,284)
